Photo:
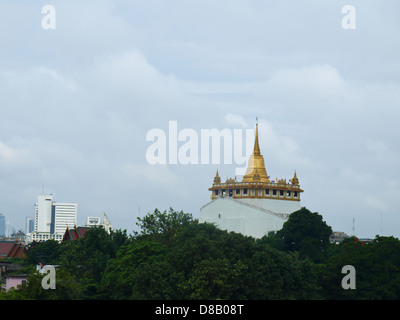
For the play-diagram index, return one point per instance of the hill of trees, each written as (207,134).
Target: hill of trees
(174,257)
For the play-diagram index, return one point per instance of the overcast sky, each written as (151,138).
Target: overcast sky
(77,101)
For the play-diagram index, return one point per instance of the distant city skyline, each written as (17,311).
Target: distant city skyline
(6,228)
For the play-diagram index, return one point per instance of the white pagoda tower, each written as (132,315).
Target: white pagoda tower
(254,206)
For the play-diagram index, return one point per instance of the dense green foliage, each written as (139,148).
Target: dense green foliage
(174,257)
(306,233)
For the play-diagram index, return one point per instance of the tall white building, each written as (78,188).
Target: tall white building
(65,215)
(43,210)
(52,219)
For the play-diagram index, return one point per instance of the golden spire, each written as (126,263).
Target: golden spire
(256,171)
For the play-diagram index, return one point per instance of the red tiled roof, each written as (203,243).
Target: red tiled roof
(12,249)
(5,247)
(82,231)
(19,251)
(75,233)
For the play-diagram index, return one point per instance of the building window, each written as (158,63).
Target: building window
(216,192)
(230,192)
(267,191)
(245,191)
(288,193)
(281,193)
(295,194)
(237,191)
(274,192)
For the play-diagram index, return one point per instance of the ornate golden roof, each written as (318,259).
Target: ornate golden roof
(295,181)
(256,183)
(256,171)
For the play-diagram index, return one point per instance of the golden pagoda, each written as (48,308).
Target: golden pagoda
(256,167)
(256,183)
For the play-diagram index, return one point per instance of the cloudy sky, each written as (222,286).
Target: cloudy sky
(77,101)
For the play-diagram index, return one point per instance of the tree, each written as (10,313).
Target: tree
(121,273)
(163,226)
(157,280)
(377,267)
(67,288)
(307,233)
(87,258)
(211,260)
(47,252)
(278,275)
(215,279)
(131,273)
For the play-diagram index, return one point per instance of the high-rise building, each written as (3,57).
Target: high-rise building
(64,215)
(2,225)
(52,219)
(30,224)
(43,213)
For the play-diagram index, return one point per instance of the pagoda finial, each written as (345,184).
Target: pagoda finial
(256,150)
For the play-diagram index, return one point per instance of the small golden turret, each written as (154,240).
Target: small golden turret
(217,178)
(294,180)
